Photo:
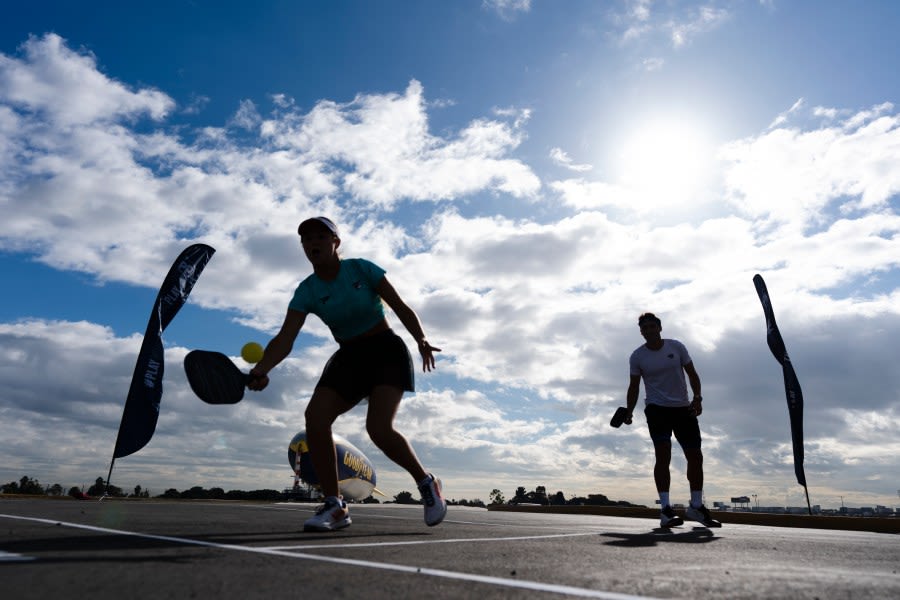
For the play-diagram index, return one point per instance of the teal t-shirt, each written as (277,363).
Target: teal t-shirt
(349,304)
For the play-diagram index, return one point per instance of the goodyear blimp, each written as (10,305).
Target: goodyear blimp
(356,475)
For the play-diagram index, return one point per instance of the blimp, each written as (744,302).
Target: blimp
(356,474)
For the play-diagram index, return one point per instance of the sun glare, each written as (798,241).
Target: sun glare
(665,162)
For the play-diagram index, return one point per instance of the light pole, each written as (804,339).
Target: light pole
(755,500)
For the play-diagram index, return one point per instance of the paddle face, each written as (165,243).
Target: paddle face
(619,417)
(214,378)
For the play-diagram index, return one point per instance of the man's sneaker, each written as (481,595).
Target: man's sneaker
(330,516)
(435,505)
(701,515)
(668,518)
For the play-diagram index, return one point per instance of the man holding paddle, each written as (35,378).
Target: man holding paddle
(372,361)
(662,364)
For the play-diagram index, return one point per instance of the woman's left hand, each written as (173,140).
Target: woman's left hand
(427,351)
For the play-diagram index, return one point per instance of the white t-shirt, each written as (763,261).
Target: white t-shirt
(663,373)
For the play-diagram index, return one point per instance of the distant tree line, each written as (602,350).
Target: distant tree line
(407,498)
(217,493)
(27,485)
(30,486)
(539,496)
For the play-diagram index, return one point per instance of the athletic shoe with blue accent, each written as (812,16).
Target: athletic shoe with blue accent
(668,517)
(435,505)
(701,515)
(330,516)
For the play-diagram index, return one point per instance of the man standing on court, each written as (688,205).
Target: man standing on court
(662,363)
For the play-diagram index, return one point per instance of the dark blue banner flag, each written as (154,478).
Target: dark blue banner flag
(791,384)
(142,405)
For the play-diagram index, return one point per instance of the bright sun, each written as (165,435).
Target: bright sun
(665,161)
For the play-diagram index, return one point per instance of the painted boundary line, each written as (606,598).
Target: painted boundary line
(534,586)
(290,506)
(13,557)
(516,538)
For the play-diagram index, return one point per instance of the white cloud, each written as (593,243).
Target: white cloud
(560,157)
(653,64)
(65,87)
(800,177)
(246,117)
(782,118)
(507,9)
(703,20)
(385,141)
(196,105)
(642,19)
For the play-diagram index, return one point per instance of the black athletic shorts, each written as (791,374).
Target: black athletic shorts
(361,364)
(663,421)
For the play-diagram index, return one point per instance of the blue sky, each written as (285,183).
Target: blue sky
(532,175)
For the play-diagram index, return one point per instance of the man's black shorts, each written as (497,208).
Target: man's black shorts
(360,365)
(663,421)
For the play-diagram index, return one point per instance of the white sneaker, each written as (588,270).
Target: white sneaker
(435,505)
(701,515)
(668,517)
(330,516)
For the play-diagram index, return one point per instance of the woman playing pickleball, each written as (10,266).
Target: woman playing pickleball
(372,361)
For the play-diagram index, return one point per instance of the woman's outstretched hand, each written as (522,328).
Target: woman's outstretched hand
(427,351)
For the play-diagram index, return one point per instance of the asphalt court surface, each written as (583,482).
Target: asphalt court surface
(206,549)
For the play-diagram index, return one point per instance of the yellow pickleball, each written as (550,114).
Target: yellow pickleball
(252,352)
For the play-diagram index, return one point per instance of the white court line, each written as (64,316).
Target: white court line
(376,515)
(534,586)
(13,557)
(419,542)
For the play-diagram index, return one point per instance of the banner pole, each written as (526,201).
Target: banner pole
(108,477)
(808,506)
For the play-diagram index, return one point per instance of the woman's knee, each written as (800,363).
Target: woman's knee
(316,425)
(380,433)
(322,411)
